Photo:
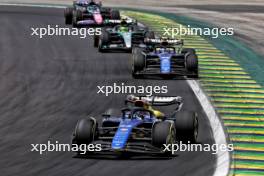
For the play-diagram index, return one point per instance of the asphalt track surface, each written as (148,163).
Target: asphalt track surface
(46,85)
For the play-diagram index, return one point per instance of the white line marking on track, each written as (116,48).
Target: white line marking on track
(223,157)
(34,5)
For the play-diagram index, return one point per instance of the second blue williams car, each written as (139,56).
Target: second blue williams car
(164,57)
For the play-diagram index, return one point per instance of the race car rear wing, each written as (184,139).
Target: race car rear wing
(128,21)
(164,41)
(156,100)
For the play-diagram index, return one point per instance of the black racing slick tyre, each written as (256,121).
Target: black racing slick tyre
(103,40)
(186,125)
(188,50)
(163,133)
(138,61)
(96,41)
(115,15)
(68,15)
(85,131)
(191,63)
(104,37)
(77,16)
(150,35)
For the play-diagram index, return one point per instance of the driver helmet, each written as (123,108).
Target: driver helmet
(141,103)
(93,9)
(92,2)
(139,115)
(123,26)
(128,114)
(123,22)
(161,50)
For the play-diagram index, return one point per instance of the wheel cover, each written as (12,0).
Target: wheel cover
(171,137)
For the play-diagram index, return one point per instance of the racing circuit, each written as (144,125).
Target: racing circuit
(48,84)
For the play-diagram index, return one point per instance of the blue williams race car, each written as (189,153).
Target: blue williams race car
(139,128)
(164,58)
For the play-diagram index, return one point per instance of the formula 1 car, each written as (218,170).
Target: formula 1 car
(139,128)
(88,13)
(164,57)
(122,37)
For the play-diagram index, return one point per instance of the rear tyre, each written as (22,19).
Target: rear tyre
(77,16)
(150,35)
(188,50)
(68,15)
(191,63)
(138,62)
(186,125)
(163,133)
(115,15)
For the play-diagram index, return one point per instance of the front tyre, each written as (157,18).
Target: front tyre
(85,131)
(163,133)
(96,40)
(68,15)
(115,15)
(138,61)
(103,41)
(191,63)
